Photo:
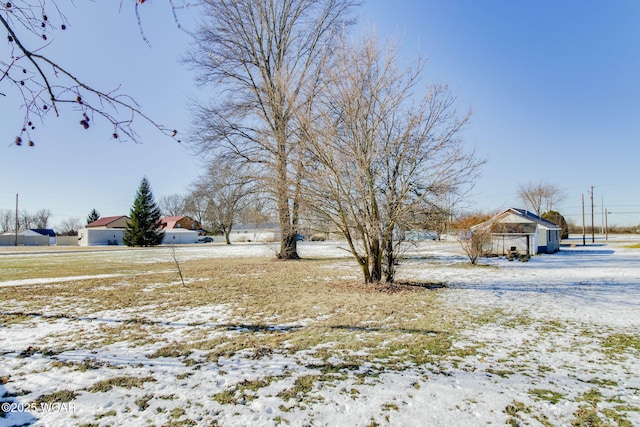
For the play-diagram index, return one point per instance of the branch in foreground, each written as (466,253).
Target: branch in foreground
(43,85)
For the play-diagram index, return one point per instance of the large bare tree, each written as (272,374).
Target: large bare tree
(42,86)
(260,61)
(380,152)
(541,196)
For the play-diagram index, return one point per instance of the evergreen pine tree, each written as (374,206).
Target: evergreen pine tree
(93,216)
(143,228)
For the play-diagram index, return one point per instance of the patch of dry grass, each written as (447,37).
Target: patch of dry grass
(274,306)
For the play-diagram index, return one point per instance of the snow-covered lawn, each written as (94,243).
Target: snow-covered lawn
(553,341)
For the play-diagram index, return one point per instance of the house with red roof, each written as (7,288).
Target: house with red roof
(180,222)
(110,222)
(109,230)
(105,231)
(180,230)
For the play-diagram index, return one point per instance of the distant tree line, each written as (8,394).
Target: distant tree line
(40,220)
(26,219)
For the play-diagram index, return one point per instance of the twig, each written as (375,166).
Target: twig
(175,259)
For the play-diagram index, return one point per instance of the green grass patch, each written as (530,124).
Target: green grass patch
(619,343)
(547,395)
(125,382)
(244,391)
(175,350)
(143,401)
(62,396)
(111,413)
(587,416)
(302,386)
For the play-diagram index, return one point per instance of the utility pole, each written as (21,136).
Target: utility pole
(584,242)
(16,242)
(602,210)
(606,224)
(593,230)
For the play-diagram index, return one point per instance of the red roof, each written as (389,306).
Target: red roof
(171,221)
(101,222)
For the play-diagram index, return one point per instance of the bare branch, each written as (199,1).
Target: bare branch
(44,85)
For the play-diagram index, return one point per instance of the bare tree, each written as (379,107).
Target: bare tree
(172,205)
(41,218)
(226,190)
(540,197)
(43,86)
(26,220)
(475,243)
(378,156)
(70,227)
(195,205)
(262,58)
(7,220)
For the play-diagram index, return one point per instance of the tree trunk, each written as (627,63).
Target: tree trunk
(288,232)
(364,265)
(227,234)
(389,262)
(288,244)
(376,262)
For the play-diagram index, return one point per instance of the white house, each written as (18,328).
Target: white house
(522,231)
(255,233)
(105,231)
(178,236)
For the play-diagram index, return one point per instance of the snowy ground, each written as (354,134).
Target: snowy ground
(553,341)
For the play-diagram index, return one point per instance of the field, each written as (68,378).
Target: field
(208,335)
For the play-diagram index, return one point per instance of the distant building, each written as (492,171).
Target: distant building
(522,231)
(255,233)
(180,222)
(180,230)
(110,222)
(106,231)
(31,237)
(418,235)
(46,232)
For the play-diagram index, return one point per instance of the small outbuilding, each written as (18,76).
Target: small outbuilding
(106,231)
(46,232)
(31,237)
(518,230)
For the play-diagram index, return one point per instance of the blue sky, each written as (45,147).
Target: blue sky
(554,87)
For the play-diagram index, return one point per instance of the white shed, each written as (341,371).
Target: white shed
(100,236)
(522,231)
